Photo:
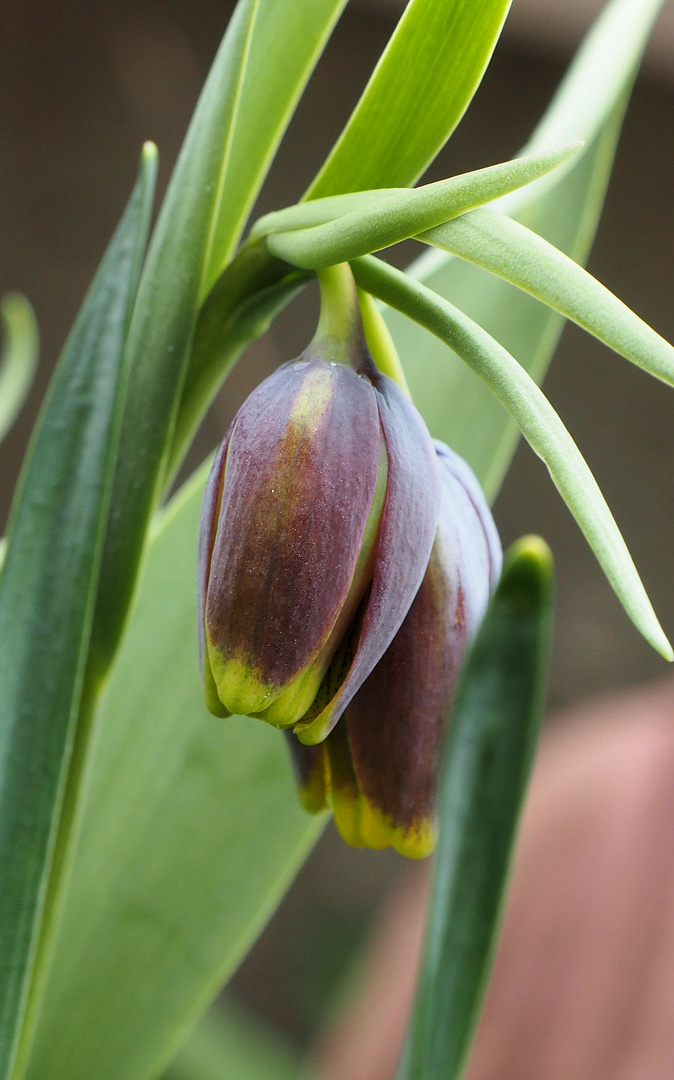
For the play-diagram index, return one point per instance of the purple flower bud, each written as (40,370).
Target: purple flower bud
(378,769)
(316,530)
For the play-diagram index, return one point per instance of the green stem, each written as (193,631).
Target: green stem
(339,323)
(379,341)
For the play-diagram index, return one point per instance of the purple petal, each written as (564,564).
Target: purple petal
(408,528)
(300,479)
(395,723)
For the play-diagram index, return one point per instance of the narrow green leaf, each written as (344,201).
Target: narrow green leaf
(19,357)
(515,253)
(227,1044)
(487,763)
(400,216)
(265,59)
(564,207)
(538,422)
(454,402)
(415,97)
(285,41)
(602,71)
(47,591)
(191,834)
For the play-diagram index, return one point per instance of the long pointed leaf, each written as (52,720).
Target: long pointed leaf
(493,735)
(564,208)
(515,253)
(266,56)
(19,357)
(47,592)
(538,422)
(400,216)
(416,96)
(192,832)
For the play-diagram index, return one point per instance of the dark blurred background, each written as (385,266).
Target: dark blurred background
(83,84)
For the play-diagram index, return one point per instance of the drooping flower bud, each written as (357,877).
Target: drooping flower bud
(377,770)
(316,529)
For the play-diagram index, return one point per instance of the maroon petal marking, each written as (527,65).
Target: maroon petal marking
(406,536)
(300,477)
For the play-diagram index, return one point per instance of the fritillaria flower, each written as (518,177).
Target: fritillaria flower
(344,564)
(377,770)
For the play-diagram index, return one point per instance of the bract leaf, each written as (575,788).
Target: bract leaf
(19,357)
(47,591)
(538,422)
(400,216)
(515,253)
(490,749)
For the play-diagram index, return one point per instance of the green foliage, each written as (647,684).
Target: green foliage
(538,422)
(564,208)
(494,730)
(262,65)
(190,831)
(403,215)
(515,253)
(415,98)
(47,592)
(19,357)
(228,1045)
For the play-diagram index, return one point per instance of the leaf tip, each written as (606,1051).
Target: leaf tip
(150,152)
(528,571)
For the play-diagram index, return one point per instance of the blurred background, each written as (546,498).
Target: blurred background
(82,84)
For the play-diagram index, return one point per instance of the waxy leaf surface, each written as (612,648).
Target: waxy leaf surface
(47,592)
(490,749)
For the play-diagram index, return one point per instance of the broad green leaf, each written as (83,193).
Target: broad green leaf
(418,92)
(227,1044)
(487,762)
(538,422)
(564,208)
(192,832)
(265,59)
(515,253)
(47,591)
(19,357)
(400,216)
